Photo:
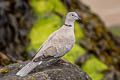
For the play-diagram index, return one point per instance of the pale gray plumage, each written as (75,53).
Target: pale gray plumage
(57,45)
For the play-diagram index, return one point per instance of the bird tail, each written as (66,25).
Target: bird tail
(28,68)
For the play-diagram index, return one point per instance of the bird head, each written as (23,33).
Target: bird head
(72,16)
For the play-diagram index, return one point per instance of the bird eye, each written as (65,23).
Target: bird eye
(72,15)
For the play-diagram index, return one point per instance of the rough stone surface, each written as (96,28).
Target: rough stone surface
(56,71)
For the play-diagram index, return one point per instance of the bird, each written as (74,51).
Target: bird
(57,45)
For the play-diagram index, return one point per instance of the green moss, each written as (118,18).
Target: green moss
(115,30)
(74,53)
(43,6)
(78,32)
(42,29)
(94,67)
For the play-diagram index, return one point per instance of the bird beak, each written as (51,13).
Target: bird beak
(78,18)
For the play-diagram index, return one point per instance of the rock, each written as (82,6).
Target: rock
(56,71)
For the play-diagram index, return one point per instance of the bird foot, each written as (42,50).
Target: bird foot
(62,61)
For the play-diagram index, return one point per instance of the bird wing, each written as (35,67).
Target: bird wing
(45,48)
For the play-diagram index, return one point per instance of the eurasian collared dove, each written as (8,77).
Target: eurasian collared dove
(57,45)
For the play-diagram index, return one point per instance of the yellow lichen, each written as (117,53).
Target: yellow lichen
(31,78)
(4,70)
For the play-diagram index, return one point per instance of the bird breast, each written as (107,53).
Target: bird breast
(64,42)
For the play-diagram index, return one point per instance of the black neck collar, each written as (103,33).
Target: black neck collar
(68,25)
